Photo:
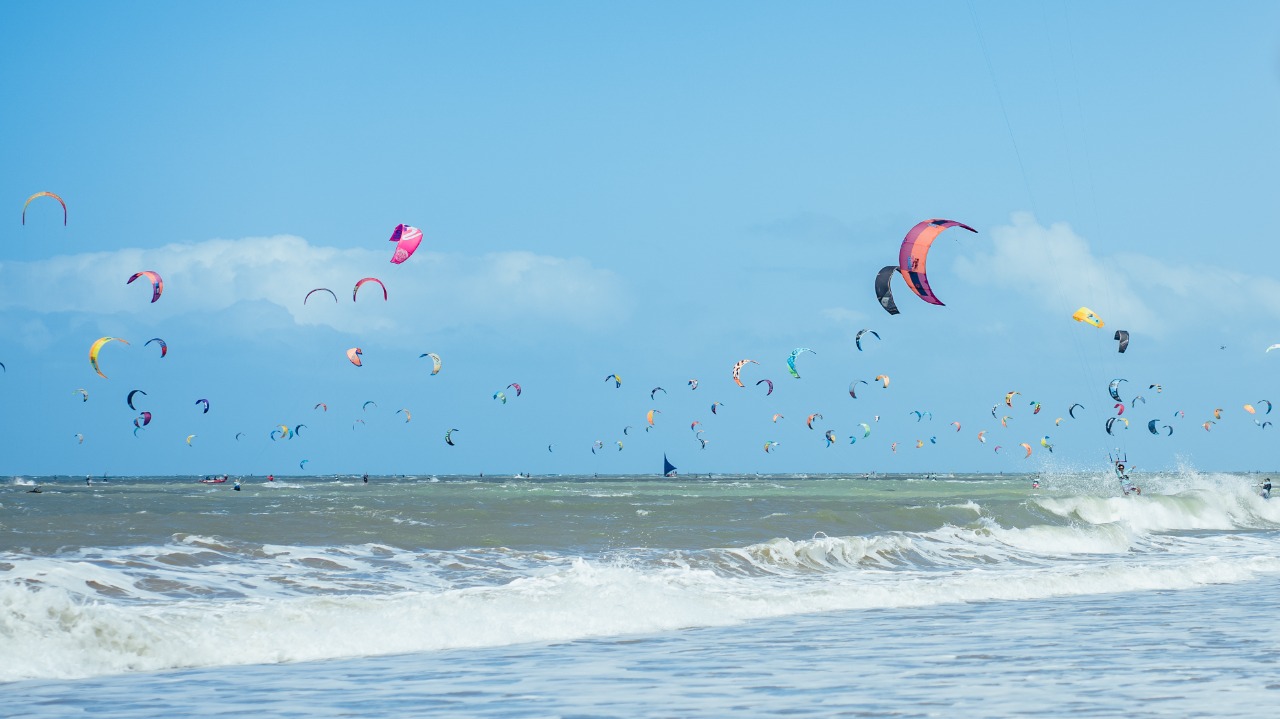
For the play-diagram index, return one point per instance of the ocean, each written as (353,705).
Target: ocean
(819,595)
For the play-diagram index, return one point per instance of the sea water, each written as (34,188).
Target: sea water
(971,595)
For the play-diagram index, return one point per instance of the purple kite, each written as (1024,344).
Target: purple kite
(407,240)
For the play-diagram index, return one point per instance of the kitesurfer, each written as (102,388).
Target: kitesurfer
(1266,488)
(237,486)
(88,480)
(1125,485)
(271,478)
(366,478)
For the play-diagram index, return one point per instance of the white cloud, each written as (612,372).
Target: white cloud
(1056,268)
(432,291)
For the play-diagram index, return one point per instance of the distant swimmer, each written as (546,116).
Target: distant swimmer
(1266,488)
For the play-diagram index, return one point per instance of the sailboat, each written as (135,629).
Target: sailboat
(668,469)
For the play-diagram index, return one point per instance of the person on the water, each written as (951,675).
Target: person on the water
(1266,488)
(271,478)
(366,477)
(1125,485)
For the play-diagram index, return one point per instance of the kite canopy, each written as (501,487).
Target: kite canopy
(353,354)
(157,284)
(361,282)
(914,251)
(96,347)
(44,194)
(435,361)
(883,292)
(323,289)
(1086,315)
(407,240)
(737,370)
(1122,336)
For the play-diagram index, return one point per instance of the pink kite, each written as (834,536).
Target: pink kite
(353,354)
(157,284)
(407,240)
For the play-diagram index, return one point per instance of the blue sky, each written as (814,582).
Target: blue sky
(656,191)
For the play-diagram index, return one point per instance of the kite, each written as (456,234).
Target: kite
(956,425)
(1008,398)
(354,354)
(1044,442)
(80,437)
(884,292)
(649,416)
(320,289)
(769,382)
(982,436)
(301,465)
(857,339)
(1156,387)
(322,406)
(737,369)
(95,348)
(693,384)
(830,437)
(435,362)
(407,415)
(1272,347)
(84,392)
(407,240)
(1114,388)
(1072,409)
(189,438)
(1267,403)
(448,437)
(205,402)
(1206,425)
(1122,336)
(866,430)
(1249,408)
(915,250)
(714,405)
(853,387)
(1086,315)
(812,417)
(517,386)
(164,348)
(143,420)
(654,391)
(297,431)
(369,279)
(1027,447)
(1119,409)
(617,381)
(791,361)
(1004,421)
(1217,413)
(365,407)
(45,194)
(500,396)
(884,378)
(777,417)
(157,284)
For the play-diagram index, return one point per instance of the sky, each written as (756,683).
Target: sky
(657,191)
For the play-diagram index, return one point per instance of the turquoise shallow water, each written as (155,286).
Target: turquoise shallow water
(820,596)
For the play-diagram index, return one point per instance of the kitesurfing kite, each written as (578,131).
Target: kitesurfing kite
(407,240)
(354,355)
(320,289)
(791,361)
(617,381)
(164,348)
(914,252)
(500,396)
(812,417)
(1122,336)
(649,416)
(769,382)
(1087,316)
(693,384)
(1114,389)
(857,339)
(714,405)
(321,406)
(157,284)
(655,391)
(883,379)
(408,417)
(368,279)
(96,347)
(45,194)
(129,399)
(435,361)
(515,385)
(737,370)
(884,292)
(84,392)
(205,402)
(853,387)
(448,437)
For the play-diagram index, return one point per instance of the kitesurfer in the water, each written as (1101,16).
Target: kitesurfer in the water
(1266,488)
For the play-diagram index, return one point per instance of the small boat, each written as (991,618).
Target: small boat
(213,480)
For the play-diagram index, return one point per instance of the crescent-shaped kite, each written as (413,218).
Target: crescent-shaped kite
(129,399)
(914,251)
(448,437)
(884,292)
(164,348)
(96,347)
(791,361)
(204,402)
(737,369)
(407,240)
(189,438)
(157,284)
(84,392)
(368,279)
(320,289)
(45,194)
(435,361)
(354,354)
(768,382)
